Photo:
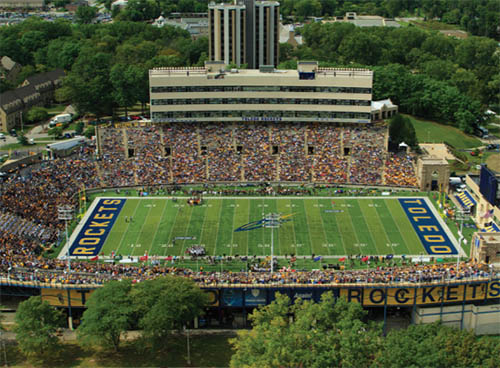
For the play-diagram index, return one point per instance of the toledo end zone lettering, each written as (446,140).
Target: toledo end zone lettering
(92,236)
(427,227)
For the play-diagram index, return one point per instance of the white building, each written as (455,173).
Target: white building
(214,94)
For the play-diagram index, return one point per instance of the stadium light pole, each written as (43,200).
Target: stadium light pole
(272,220)
(460,236)
(65,213)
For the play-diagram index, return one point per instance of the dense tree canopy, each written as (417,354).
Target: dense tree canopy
(108,315)
(426,73)
(36,326)
(166,304)
(333,333)
(326,334)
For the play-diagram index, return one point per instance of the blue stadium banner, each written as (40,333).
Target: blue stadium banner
(428,228)
(232,297)
(94,232)
(255,297)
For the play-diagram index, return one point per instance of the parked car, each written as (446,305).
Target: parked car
(135,117)
(2,137)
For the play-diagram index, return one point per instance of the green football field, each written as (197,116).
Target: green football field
(233,226)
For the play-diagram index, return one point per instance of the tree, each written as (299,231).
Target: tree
(85,14)
(89,132)
(401,130)
(435,345)
(125,80)
(36,326)
(88,84)
(55,132)
(326,334)
(79,128)
(37,114)
(108,315)
(21,138)
(165,304)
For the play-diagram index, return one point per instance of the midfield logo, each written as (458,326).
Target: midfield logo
(263,222)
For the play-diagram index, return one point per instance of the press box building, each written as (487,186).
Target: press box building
(214,94)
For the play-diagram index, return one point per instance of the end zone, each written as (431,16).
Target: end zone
(433,233)
(91,233)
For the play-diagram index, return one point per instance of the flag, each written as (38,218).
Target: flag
(94,258)
(143,258)
(169,258)
(317,258)
(477,241)
(390,256)
(342,259)
(365,258)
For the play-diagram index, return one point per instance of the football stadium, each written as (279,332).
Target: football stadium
(249,183)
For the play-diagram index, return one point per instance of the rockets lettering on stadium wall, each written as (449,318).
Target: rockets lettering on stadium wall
(94,232)
(365,295)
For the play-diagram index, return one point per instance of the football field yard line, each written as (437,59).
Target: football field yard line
(221,210)
(167,229)
(154,248)
(195,227)
(368,236)
(273,206)
(140,238)
(200,241)
(229,207)
(371,212)
(408,229)
(323,227)
(127,228)
(299,232)
(179,227)
(403,249)
(345,223)
(212,214)
(359,247)
(187,230)
(317,236)
(286,234)
(332,221)
(232,228)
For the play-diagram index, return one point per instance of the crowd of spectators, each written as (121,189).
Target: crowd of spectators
(184,153)
(54,272)
(187,153)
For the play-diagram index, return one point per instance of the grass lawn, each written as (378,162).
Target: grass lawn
(328,226)
(16,146)
(434,25)
(432,132)
(56,109)
(206,351)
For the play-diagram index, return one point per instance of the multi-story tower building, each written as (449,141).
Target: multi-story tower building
(308,94)
(244,33)
(262,40)
(226,37)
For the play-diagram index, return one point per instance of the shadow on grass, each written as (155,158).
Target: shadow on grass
(70,355)
(206,351)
